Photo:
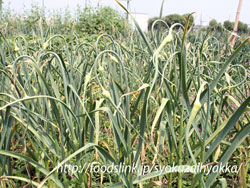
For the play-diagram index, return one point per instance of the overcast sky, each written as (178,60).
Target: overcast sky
(220,10)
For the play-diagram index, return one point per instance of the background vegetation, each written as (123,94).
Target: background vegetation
(242,27)
(86,21)
(71,94)
(172,19)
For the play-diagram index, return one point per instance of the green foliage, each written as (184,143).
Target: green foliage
(228,25)
(215,26)
(90,21)
(242,27)
(105,20)
(32,20)
(172,19)
(219,27)
(151,21)
(191,21)
(213,23)
(137,99)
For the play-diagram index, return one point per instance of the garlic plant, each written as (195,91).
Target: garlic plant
(130,100)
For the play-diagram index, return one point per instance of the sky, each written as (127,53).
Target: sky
(220,10)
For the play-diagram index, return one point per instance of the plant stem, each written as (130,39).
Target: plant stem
(179,183)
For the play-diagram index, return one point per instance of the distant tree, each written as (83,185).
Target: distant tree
(213,23)
(242,27)
(219,27)
(151,21)
(103,20)
(174,18)
(228,25)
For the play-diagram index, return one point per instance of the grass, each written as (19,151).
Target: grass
(167,97)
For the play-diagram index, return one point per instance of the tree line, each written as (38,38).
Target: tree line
(171,19)
(213,24)
(242,27)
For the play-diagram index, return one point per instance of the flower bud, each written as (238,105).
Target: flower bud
(87,78)
(101,69)
(114,59)
(169,38)
(197,106)
(45,45)
(16,48)
(106,94)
